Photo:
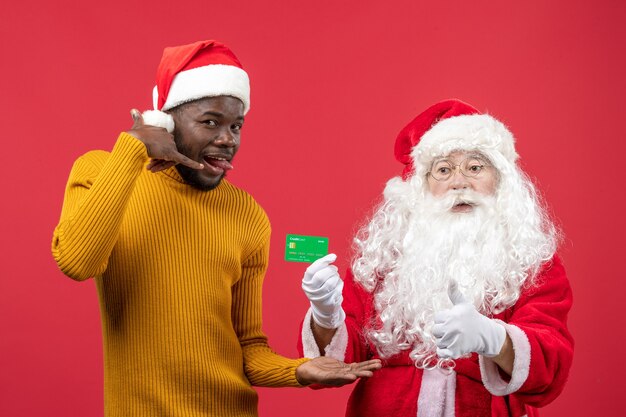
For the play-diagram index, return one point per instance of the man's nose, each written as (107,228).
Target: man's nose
(226,138)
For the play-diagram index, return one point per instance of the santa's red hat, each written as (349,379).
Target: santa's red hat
(191,72)
(448,126)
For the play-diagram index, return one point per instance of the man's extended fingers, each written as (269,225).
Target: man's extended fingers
(370,365)
(372,362)
(361,369)
(179,158)
(329,371)
(363,374)
(341,380)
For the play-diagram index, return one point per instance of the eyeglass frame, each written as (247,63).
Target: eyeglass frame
(481,158)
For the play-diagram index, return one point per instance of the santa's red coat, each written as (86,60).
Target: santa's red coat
(537,325)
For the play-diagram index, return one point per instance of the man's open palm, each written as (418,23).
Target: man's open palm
(329,371)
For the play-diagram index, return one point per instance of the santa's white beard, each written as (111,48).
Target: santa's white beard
(426,247)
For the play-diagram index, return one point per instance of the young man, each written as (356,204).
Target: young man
(455,285)
(178,253)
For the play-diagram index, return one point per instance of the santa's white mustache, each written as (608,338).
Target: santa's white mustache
(456,197)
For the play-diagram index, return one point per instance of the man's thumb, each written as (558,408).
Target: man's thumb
(455,294)
(137,118)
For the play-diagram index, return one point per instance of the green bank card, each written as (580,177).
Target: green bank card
(299,248)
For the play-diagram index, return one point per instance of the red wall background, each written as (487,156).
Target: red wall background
(332,84)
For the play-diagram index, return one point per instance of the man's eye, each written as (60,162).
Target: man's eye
(443,170)
(475,168)
(237,128)
(211,123)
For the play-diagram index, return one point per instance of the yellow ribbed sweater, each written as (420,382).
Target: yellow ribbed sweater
(179,274)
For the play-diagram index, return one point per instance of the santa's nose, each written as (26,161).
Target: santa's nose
(459,181)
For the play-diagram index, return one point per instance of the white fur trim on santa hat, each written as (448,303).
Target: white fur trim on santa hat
(336,349)
(158,119)
(476,132)
(521,364)
(208,81)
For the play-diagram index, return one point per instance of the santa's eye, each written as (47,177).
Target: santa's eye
(473,166)
(442,170)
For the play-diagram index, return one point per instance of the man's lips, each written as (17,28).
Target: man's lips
(218,163)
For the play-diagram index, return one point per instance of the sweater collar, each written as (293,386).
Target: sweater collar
(172,173)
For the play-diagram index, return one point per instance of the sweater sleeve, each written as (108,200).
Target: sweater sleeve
(543,346)
(96,196)
(263,367)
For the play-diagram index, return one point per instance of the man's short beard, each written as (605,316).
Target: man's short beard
(192,176)
(413,246)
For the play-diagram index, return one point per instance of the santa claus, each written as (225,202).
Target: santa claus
(455,283)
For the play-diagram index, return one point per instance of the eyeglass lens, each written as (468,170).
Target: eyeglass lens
(470,167)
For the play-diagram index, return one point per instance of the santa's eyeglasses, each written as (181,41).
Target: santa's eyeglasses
(470,167)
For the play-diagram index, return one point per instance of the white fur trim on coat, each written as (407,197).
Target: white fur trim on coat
(336,349)
(208,81)
(476,132)
(159,119)
(437,393)
(521,364)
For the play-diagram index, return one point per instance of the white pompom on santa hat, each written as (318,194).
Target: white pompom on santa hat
(191,72)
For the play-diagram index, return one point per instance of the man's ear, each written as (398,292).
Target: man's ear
(159,119)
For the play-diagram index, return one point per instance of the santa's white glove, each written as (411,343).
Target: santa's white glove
(462,329)
(322,285)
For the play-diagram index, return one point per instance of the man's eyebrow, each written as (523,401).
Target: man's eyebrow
(217,114)
(212,113)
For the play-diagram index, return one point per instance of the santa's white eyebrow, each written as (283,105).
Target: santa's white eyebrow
(475,155)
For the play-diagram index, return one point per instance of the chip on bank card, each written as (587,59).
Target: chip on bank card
(300,248)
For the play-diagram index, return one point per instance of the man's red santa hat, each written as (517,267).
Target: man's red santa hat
(191,72)
(452,125)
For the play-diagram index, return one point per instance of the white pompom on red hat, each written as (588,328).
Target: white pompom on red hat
(191,72)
